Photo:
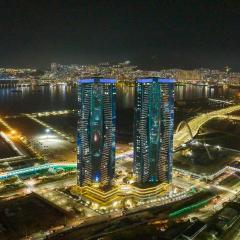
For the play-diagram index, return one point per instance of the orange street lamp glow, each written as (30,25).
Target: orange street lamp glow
(13,132)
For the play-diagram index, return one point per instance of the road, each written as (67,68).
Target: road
(64,182)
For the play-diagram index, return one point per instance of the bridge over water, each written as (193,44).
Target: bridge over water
(191,128)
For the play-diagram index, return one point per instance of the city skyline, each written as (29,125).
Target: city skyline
(120,120)
(42,160)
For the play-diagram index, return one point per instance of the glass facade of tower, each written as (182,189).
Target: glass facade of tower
(96,131)
(153,130)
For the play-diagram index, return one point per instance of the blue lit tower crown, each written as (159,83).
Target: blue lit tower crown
(153,130)
(96,131)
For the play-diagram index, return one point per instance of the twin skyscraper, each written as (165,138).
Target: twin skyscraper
(153,130)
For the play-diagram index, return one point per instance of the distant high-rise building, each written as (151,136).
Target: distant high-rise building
(153,130)
(54,67)
(96,131)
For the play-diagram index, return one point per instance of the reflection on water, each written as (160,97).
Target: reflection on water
(37,99)
(44,98)
(191,92)
(125,96)
(186,92)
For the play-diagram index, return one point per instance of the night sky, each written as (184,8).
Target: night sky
(151,33)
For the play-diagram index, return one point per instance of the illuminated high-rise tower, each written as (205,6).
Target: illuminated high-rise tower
(96,131)
(153,130)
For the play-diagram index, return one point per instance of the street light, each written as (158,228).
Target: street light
(47,132)
(218,147)
(30,186)
(13,132)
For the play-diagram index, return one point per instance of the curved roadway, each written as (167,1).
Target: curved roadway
(183,135)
